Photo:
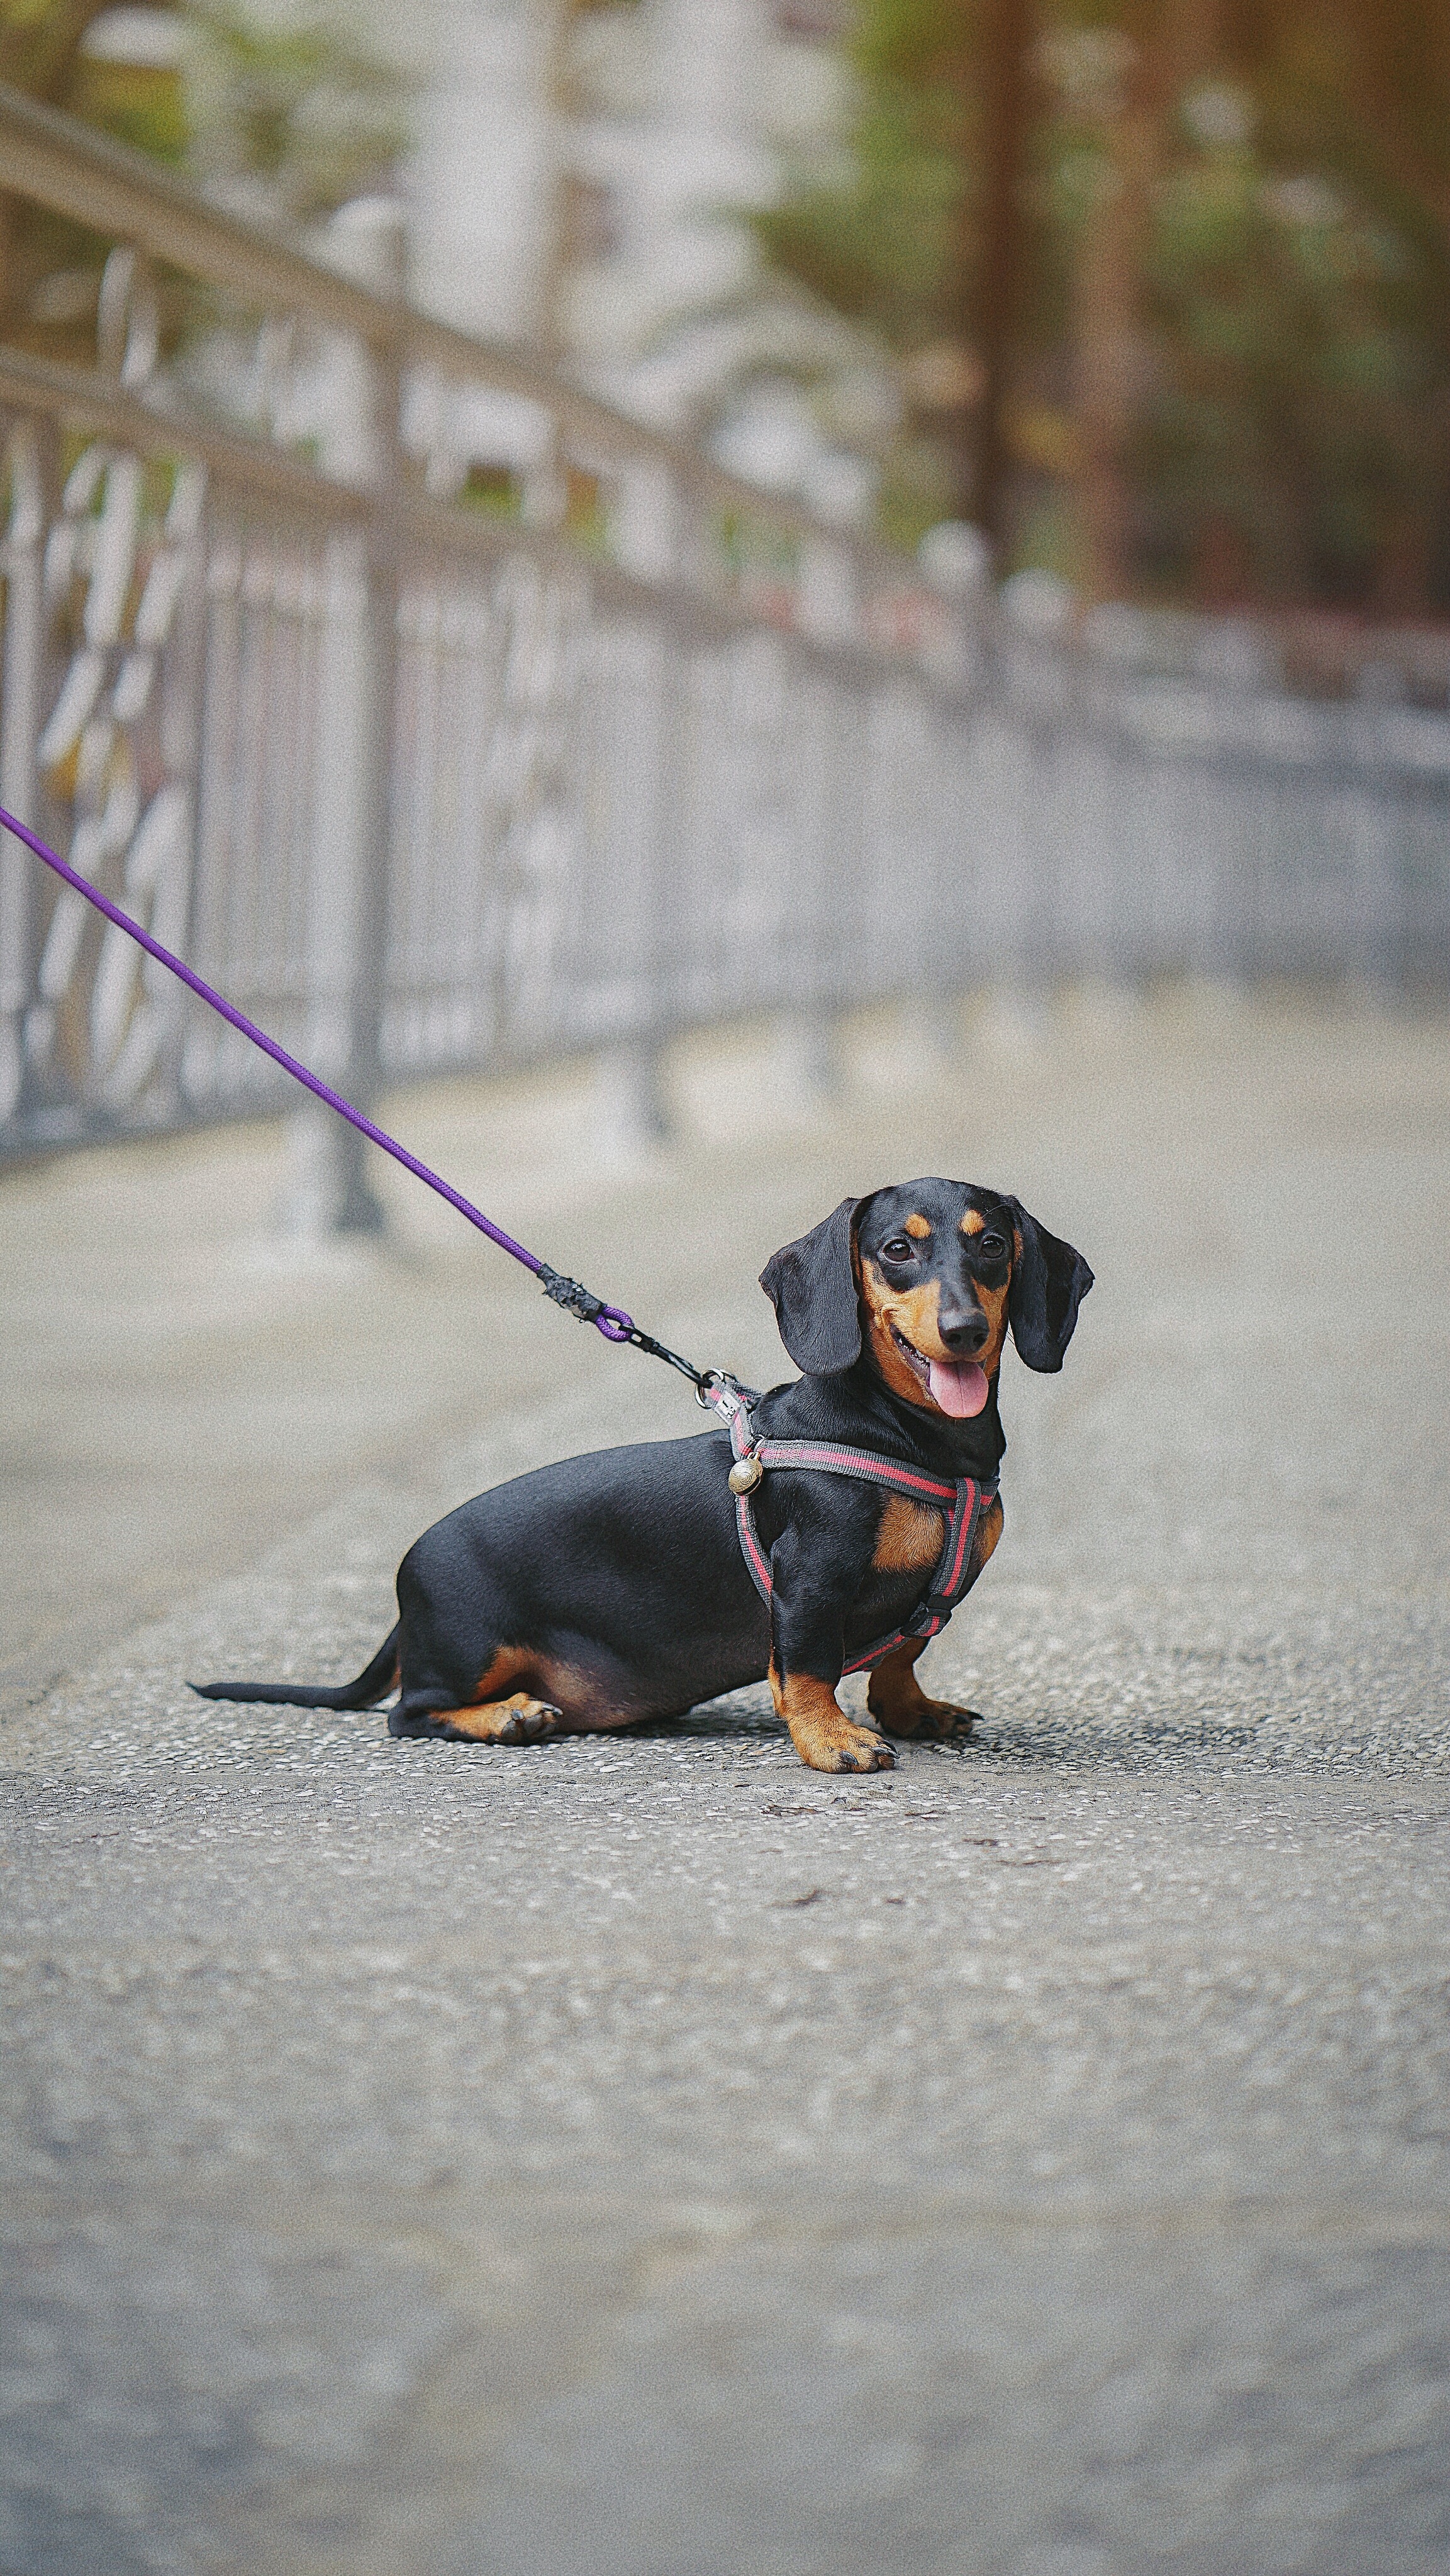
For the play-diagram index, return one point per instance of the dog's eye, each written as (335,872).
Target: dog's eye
(991,1246)
(900,1248)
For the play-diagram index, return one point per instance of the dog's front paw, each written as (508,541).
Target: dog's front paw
(839,1744)
(937,1721)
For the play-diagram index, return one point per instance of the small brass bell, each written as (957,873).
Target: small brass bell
(745,1475)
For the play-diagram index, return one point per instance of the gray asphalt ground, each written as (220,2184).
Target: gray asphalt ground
(645,2157)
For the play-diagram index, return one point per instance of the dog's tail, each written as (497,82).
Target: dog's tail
(365,1692)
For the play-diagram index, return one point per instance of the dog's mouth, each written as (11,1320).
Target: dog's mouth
(956,1387)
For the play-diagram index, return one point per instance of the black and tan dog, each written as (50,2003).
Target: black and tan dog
(613,1588)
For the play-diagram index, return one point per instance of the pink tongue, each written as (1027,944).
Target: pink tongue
(958,1386)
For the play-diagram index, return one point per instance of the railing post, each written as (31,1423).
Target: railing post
(808,1046)
(1378,834)
(630,1106)
(330,1189)
(24,645)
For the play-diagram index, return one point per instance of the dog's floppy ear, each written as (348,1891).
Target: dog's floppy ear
(1049,1282)
(812,1286)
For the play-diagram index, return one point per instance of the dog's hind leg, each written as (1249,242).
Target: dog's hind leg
(517,1720)
(524,1715)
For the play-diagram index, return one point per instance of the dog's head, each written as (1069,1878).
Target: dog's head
(931,1275)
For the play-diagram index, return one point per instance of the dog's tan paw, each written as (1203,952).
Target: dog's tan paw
(839,1744)
(823,1735)
(519,1720)
(937,1721)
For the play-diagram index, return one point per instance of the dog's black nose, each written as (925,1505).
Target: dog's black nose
(963,1334)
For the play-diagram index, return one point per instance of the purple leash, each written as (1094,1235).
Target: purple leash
(611,1321)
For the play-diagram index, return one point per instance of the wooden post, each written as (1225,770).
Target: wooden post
(990,285)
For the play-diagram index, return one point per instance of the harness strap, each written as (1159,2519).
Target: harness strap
(962,1500)
(832,1458)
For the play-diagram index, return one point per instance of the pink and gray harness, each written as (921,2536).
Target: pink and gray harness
(963,1501)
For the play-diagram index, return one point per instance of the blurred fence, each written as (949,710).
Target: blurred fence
(446,719)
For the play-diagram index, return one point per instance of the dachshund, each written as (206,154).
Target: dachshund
(618,1587)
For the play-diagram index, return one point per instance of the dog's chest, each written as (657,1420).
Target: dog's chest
(910,1538)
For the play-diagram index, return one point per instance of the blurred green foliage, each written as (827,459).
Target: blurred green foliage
(300,107)
(284,120)
(303,111)
(1295,435)
(1228,367)
(883,245)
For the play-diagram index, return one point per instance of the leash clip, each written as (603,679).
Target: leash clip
(578,1300)
(571,1294)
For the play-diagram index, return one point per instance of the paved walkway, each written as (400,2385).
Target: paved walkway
(647,2158)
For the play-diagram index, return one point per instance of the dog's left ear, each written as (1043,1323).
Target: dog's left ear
(1049,1283)
(812,1286)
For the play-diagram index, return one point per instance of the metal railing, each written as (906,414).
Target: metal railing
(445,718)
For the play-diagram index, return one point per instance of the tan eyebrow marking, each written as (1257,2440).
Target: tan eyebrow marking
(918,1226)
(974,1222)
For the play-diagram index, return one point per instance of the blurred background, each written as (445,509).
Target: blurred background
(1155,295)
(535,527)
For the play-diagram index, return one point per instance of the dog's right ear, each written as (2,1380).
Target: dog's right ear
(812,1286)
